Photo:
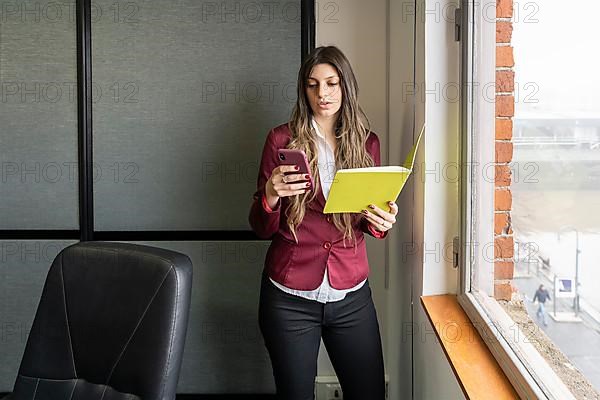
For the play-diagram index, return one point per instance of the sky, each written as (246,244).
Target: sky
(557,58)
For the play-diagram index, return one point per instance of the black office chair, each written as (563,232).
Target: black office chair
(110,325)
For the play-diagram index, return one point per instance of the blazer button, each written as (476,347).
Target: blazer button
(327,245)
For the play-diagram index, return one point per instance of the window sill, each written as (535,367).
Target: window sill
(469,357)
(521,362)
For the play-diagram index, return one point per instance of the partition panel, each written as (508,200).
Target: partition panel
(38,114)
(184,95)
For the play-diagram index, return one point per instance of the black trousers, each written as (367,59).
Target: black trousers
(292,328)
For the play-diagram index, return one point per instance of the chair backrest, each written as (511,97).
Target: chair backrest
(110,325)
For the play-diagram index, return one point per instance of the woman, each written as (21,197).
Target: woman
(315,278)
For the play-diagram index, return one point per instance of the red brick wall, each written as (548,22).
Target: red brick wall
(505,110)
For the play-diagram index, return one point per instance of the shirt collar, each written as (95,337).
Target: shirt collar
(317,130)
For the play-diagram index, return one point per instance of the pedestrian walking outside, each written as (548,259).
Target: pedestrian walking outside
(541,295)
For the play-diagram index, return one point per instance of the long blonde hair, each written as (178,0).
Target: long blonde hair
(350,131)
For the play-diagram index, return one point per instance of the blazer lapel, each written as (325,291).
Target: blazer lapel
(318,203)
(321,198)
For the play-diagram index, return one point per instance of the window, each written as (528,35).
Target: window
(531,149)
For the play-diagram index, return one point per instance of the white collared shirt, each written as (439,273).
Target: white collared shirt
(326,164)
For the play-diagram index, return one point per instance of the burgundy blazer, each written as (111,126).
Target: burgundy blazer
(301,266)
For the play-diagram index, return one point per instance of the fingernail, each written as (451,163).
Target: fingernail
(371,206)
(391,203)
(365,211)
(306,176)
(296,167)
(307,184)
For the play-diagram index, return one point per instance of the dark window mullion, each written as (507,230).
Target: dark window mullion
(307,26)
(176,236)
(39,234)
(84,119)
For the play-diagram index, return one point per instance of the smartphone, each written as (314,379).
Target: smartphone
(295,157)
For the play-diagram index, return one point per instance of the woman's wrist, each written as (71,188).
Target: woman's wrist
(272,199)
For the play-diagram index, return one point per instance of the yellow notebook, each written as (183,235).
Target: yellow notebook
(354,189)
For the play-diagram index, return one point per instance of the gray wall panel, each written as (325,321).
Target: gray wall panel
(38,114)
(186,94)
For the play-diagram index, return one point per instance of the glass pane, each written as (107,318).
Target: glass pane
(24,265)
(224,350)
(185,94)
(38,132)
(556,181)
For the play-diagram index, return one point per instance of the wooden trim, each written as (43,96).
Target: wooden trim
(477,371)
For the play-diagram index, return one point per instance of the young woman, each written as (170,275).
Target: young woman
(315,281)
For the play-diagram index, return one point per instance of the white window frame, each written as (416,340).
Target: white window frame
(526,369)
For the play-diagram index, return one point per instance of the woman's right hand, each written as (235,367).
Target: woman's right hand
(281,185)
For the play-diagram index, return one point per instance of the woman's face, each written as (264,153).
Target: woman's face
(324,91)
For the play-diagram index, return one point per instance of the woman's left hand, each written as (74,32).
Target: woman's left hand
(379,219)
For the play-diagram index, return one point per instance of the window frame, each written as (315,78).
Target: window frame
(526,369)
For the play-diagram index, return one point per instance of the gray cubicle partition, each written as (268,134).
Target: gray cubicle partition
(183,95)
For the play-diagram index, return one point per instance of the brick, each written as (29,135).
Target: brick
(502,200)
(505,56)
(503,247)
(503,31)
(504,128)
(504,269)
(503,291)
(504,8)
(504,152)
(505,106)
(502,224)
(505,81)
(502,175)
